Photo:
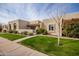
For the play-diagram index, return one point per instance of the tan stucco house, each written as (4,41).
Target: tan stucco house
(49,24)
(22,25)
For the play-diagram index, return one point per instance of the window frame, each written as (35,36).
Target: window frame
(52,27)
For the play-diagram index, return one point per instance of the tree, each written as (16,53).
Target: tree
(0,27)
(58,18)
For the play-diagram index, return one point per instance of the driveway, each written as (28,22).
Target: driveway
(9,48)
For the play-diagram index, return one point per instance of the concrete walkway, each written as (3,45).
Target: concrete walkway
(10,48)
(19,40)
(61,37)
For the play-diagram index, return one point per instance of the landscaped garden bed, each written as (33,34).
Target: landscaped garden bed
(11,36)
(48,45)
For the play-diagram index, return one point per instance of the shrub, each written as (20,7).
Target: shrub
(30,33)
(41,31)
(24,33)
(15,32)
(45,32)
(71,30)
(10,31)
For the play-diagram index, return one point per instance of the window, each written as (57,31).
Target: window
(51,27)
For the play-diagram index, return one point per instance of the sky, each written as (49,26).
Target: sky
(35,11)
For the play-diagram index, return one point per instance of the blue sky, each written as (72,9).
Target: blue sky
(31,11)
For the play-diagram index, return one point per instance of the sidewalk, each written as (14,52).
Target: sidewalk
(19,40)
(61,37)
(10,48)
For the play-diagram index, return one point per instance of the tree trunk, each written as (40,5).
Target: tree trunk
(58,34)
(58,38)
(58,41)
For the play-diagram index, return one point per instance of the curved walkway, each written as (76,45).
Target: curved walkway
(18,40)
(10,48)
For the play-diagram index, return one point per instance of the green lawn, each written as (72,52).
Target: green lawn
(48,45)
(11,36)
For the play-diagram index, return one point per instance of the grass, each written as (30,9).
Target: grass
(11,36)
(48,45)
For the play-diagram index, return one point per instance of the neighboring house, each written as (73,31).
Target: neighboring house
(21,26)
(71,18)
(18,25)
(49,24)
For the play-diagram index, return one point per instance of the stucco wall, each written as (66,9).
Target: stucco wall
(46,24)
(12,24)
(23,24)
(23,30)
(20,24)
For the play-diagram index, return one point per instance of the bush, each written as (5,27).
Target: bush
(15,32)
(10,31)
(30,34)
(41,31)
(71,30)
(38,31)
(45,32)
(24,33)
